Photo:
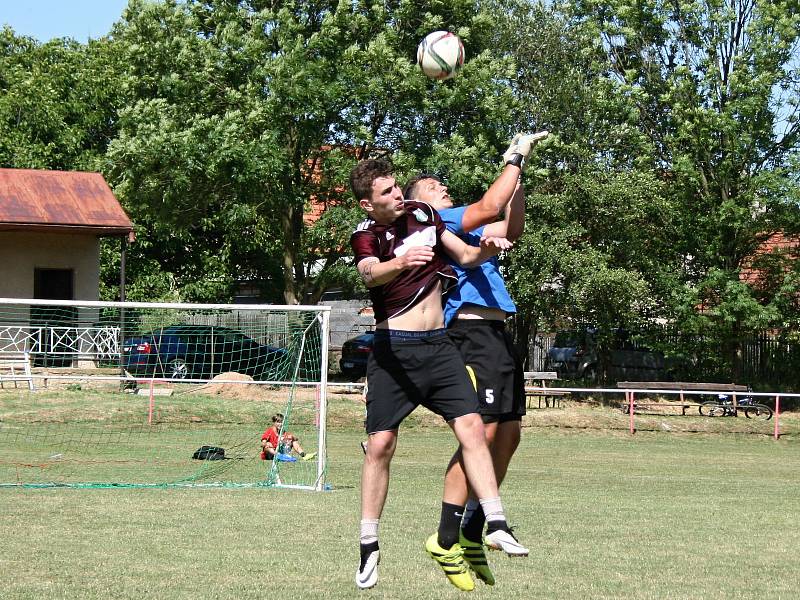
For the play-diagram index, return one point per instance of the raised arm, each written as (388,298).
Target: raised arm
(472,256)
(486,210)
(502,191)
(513,224)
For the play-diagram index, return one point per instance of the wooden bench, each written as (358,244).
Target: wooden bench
(16,367)
(542,377)
(711,388)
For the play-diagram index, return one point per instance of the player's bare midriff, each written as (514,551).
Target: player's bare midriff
(488,313)
(426,315)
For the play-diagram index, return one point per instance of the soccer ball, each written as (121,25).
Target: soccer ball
(440,55)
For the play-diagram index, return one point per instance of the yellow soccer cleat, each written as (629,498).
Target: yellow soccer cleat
(476,559)
(452,563)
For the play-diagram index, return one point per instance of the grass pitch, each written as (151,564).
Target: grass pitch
(659,514)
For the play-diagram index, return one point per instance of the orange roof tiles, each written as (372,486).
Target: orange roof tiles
(778,244)
(64,201)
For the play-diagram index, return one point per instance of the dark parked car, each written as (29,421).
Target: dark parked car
(355,353)
(574,355)
(200,352)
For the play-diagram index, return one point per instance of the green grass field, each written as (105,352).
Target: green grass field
(661,514)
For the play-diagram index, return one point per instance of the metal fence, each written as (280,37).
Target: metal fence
(770,359)
(82,343)
(538,347)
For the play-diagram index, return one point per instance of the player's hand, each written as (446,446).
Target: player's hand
(529,140)
(416,256)
(512,148)
(522,144)
(499,243)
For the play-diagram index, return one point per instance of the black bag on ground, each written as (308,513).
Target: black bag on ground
(209,453)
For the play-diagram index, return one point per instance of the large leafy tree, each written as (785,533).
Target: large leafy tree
(57,102)
(191,163)
(596,249)
(715,88)
(240,112)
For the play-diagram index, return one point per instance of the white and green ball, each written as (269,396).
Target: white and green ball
(440,55)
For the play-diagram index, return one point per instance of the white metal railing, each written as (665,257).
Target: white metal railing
(97,343)
(15,339)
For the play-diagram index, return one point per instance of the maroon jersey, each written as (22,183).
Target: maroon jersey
(419,225)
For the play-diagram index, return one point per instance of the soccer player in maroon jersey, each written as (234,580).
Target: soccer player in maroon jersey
(400,251)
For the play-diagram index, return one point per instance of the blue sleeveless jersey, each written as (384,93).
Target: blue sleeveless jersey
(481,286)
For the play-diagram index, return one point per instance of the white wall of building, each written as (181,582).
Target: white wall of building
(22,252)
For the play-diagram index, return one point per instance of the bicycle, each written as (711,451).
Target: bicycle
(723,406)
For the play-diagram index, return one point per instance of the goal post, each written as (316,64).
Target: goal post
(137,394)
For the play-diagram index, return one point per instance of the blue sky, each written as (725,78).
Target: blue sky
(48,19)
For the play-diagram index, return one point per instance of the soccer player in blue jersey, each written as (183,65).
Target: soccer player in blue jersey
(475,314)
(401,251)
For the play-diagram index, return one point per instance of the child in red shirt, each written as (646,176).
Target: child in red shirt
(271,446)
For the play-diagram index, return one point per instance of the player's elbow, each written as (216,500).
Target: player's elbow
(471,260)
(513,235)
(489,213)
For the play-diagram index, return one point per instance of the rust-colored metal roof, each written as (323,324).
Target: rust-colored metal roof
(63,201)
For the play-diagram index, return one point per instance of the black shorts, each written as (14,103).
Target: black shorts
(488,350)
(408,369)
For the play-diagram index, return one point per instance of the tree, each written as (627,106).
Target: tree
(57,103)
(592,254)
(596,247)
(238,113)
(716,93)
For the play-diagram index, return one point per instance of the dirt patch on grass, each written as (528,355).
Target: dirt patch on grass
(233,385)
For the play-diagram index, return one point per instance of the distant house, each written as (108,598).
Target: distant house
(777,251)
(51,223)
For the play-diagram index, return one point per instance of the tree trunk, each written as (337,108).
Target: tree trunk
(521,330)
(289,256)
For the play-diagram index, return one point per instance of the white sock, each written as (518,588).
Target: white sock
(369,530)
(492,509)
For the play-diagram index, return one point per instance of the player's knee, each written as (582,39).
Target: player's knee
(491,433)
(381,447)
(470,431)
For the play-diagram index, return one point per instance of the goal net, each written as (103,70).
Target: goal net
(112,394)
